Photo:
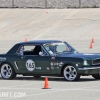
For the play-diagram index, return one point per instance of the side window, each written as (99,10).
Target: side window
(21,50)
(31,50)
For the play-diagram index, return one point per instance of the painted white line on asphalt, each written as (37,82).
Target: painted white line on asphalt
(18,85)
(50,28)
(31,89)
(6,88)
(4,13)
(90,87)
(41,88)
(80,89)
(41,93)
(90,90)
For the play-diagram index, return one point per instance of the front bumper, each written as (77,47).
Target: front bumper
(89,70)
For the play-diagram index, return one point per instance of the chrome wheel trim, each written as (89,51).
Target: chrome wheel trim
(6,71)
(70,73)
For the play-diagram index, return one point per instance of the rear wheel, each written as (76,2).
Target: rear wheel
(7,71)
(70,73)
(96,76)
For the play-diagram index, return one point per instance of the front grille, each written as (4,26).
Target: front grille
(96,62)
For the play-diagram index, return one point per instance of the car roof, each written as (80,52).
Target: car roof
(39,41)
(16,46)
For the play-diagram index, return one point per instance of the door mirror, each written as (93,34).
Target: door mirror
(50,52)
(41,53)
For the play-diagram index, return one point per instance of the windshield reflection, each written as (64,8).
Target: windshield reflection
(55,48)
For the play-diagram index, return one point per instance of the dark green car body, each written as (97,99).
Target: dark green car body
(37,65)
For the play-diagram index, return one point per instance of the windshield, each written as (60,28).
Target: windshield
(58,48)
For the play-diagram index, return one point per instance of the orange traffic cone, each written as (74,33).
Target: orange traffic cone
(91,46)
(46,85)
(46,12)
(25,39)
(92,40)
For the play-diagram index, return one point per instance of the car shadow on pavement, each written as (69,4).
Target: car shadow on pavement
(57,79)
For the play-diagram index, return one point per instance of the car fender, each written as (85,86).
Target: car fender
(1,63)
(66,64)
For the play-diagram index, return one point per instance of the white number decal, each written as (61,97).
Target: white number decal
(30,65)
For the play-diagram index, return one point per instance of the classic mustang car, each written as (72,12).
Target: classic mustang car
(48,58)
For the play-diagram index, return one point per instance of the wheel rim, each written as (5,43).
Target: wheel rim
(6,71)
(70,73)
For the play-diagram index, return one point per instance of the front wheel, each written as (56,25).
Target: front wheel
(70,73)
(7,71)
(96,76)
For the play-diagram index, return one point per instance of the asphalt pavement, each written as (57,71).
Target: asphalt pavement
(30,88)
(76,26)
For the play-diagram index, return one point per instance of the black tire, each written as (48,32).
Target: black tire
(70,73)
(96,76)
(7,71)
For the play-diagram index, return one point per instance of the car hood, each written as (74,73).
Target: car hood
(81,55)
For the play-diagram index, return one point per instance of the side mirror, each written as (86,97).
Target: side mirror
(50,52)
(41,53)
(75,51)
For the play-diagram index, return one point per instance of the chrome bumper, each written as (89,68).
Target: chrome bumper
(88,68)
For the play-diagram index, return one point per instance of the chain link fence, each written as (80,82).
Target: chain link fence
(49,3)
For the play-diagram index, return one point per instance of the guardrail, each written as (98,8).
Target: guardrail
(49,3)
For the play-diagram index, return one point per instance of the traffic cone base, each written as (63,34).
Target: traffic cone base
(46,85)
(46,88)
(91,46)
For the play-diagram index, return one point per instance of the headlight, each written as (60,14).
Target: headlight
(85,63)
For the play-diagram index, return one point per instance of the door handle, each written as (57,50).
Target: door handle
(22,57)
